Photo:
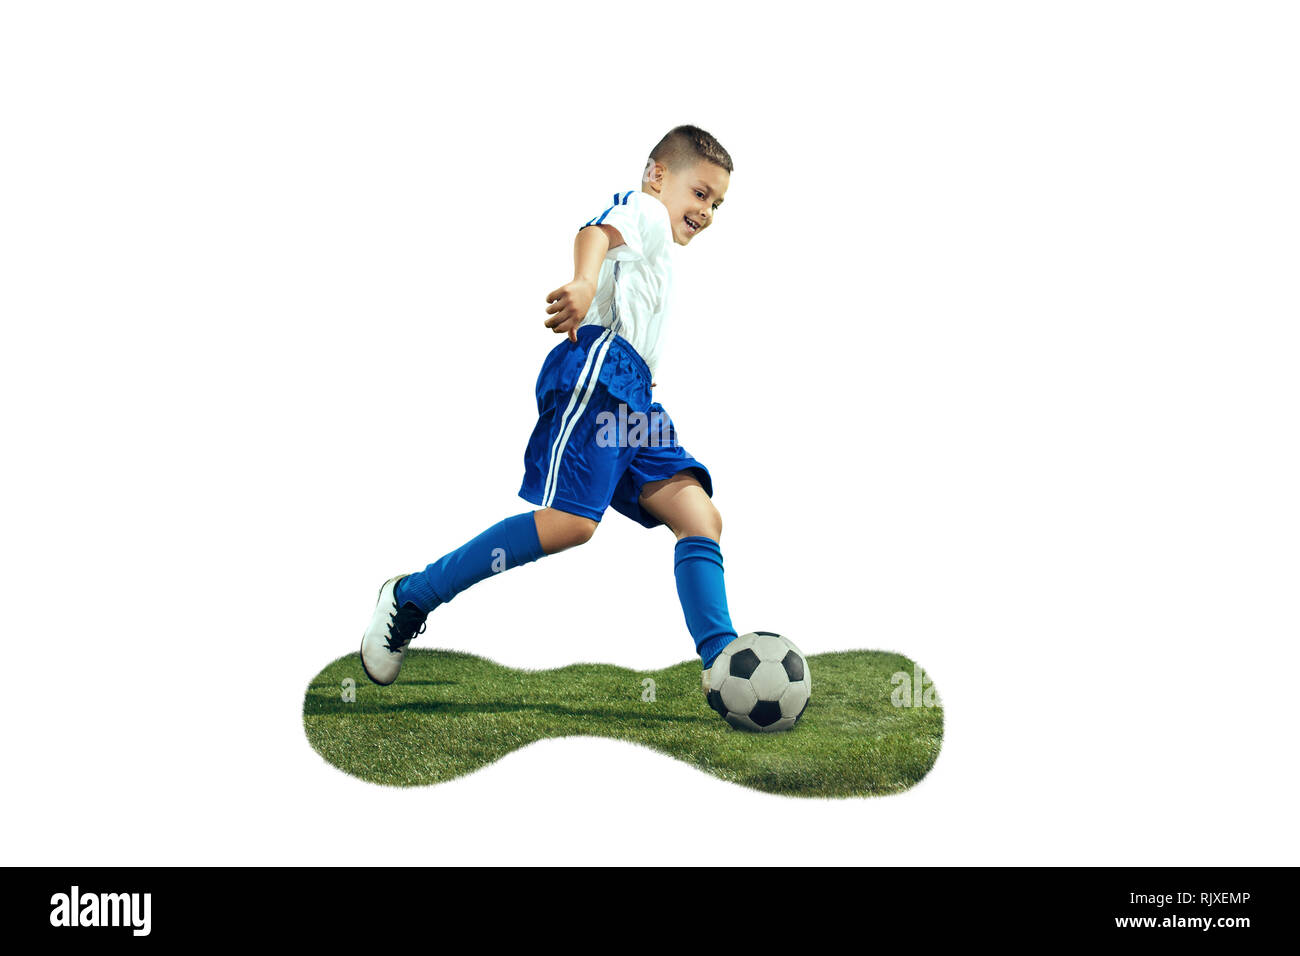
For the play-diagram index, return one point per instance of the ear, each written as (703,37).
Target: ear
(654,175)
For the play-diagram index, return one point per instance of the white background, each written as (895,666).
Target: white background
(992,353)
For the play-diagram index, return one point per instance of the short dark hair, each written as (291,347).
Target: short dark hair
(688,144)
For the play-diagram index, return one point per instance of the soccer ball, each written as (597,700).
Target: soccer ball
(760,681)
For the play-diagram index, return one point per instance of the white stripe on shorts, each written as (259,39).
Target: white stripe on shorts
(570,417)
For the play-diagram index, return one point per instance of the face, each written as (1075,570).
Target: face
(692,195)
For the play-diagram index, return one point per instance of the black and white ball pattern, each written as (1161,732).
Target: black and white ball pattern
(760,682)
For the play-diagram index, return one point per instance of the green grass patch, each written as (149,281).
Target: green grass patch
(450,714)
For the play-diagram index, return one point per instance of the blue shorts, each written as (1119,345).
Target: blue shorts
(598,437)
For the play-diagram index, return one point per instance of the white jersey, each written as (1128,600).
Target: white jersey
(634,289)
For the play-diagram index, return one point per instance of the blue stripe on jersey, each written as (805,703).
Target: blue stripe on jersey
(617,202)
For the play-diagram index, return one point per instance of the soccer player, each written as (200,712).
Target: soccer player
(599,439)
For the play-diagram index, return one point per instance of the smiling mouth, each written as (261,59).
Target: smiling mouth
(690,224)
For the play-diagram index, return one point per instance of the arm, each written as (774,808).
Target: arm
(567,306)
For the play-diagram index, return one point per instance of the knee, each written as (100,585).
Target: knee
(714,521)
(577,530)
(705,523)
(582,529)
(558,530)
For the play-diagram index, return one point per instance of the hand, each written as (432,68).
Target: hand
(568,305)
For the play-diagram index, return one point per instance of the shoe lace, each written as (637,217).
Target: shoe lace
(402,626)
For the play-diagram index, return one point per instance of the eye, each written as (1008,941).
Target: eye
(698,194)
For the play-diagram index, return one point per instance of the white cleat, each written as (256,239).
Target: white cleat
(384,644)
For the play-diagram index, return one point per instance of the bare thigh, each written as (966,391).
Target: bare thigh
(682,503)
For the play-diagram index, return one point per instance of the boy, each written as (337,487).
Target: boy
(599,440)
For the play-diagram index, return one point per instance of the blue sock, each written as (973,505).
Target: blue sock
(697,565)
(507,544)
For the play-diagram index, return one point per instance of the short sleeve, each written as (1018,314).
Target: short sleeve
(634,216)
